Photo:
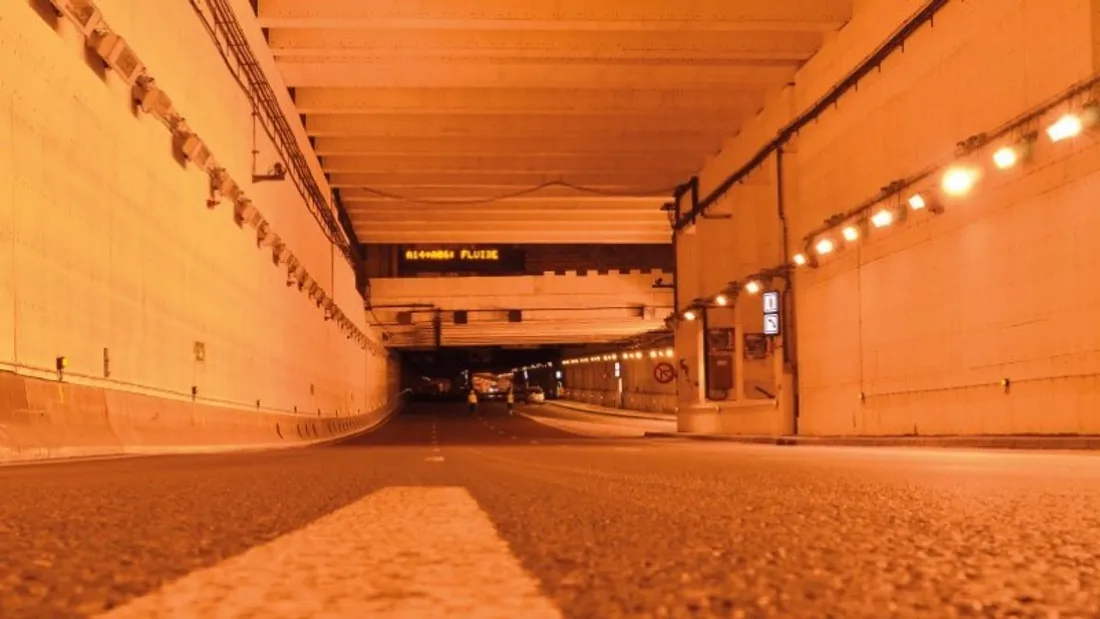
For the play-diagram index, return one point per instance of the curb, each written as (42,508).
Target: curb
(1081,443)
(613,414)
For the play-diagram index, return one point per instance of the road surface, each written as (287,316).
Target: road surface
(439,514)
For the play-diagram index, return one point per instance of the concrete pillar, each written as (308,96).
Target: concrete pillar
(738,355)
(689,361)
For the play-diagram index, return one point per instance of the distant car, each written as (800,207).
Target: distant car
(535,395)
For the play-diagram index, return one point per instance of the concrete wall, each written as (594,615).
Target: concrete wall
(594,382)
(913,331)
(107,248)
(47,420)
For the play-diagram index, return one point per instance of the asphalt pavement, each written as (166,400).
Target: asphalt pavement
(439,513)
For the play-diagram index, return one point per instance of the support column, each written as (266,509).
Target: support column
(738,355)
(688,361)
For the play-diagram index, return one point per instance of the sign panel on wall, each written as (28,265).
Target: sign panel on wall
(449,259)
(771,302)
(664,373)
(771,324)
(771,313)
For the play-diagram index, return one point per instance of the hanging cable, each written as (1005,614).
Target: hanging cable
(523,192)
(249,76)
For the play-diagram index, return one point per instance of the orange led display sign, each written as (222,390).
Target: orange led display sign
(417,255)
(480,260)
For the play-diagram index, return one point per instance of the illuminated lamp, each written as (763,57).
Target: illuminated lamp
(753,287)
(958,181)
(825,247)
(1066,127)
(883,218)
(799,259)
(1005,157)
(721,300)
(690,315)
(669,352)
(917,202)
(851,233)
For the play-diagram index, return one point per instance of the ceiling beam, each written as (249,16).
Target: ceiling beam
(563,196)
(428,74)
(610,206)
(531,237)
(672,144)
(639,181)
(650,15)
(488,124)
(439,217)
(590,45)
(529,162)
(561,169)
(414,222)
(534,101)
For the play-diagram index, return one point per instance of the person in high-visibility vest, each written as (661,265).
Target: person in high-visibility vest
(472,399)
(511,401)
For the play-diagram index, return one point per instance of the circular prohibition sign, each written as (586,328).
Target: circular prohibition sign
(664,373)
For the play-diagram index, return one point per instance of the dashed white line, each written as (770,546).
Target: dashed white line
(400,552)
(434,459)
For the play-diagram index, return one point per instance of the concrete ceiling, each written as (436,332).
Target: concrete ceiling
(456,102)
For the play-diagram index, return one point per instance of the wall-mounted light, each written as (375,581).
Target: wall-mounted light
(721,300)
(1005,157)
(882,218)
(690,315)
(825,247)
(850,233)
(753,287)
(959,180)
(1066,127)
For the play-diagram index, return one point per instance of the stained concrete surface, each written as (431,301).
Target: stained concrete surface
(615,527)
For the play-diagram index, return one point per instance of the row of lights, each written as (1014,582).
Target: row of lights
(655,353)
(956,181)
(158,104)
(756,283)
(537,366)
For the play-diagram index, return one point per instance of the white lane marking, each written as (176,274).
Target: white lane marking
(434,459)
(406,552)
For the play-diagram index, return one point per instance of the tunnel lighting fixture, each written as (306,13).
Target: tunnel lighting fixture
(883,218)
(753,287)
(690,315)
(653,354)
(1005,157)
(825,247)
(917,202)
(799,259)
(851,233)
(669,352)
(1066,127)
(721,300)
(958,181)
